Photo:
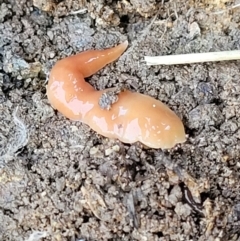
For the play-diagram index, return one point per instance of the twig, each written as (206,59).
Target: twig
(229,8)
(80,11)
(141,37)
(193,58)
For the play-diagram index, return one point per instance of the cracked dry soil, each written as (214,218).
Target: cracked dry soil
(59,180)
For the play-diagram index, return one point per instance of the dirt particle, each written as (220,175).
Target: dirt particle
(45,5)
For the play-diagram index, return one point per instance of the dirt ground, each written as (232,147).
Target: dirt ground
(59,180)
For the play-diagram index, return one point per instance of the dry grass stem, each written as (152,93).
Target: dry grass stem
(228,9)
(80,11)
(16,142)
(193,58)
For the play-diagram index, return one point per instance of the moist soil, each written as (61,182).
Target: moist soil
(59,180)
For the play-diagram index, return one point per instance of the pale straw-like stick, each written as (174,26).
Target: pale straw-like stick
(192,58)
